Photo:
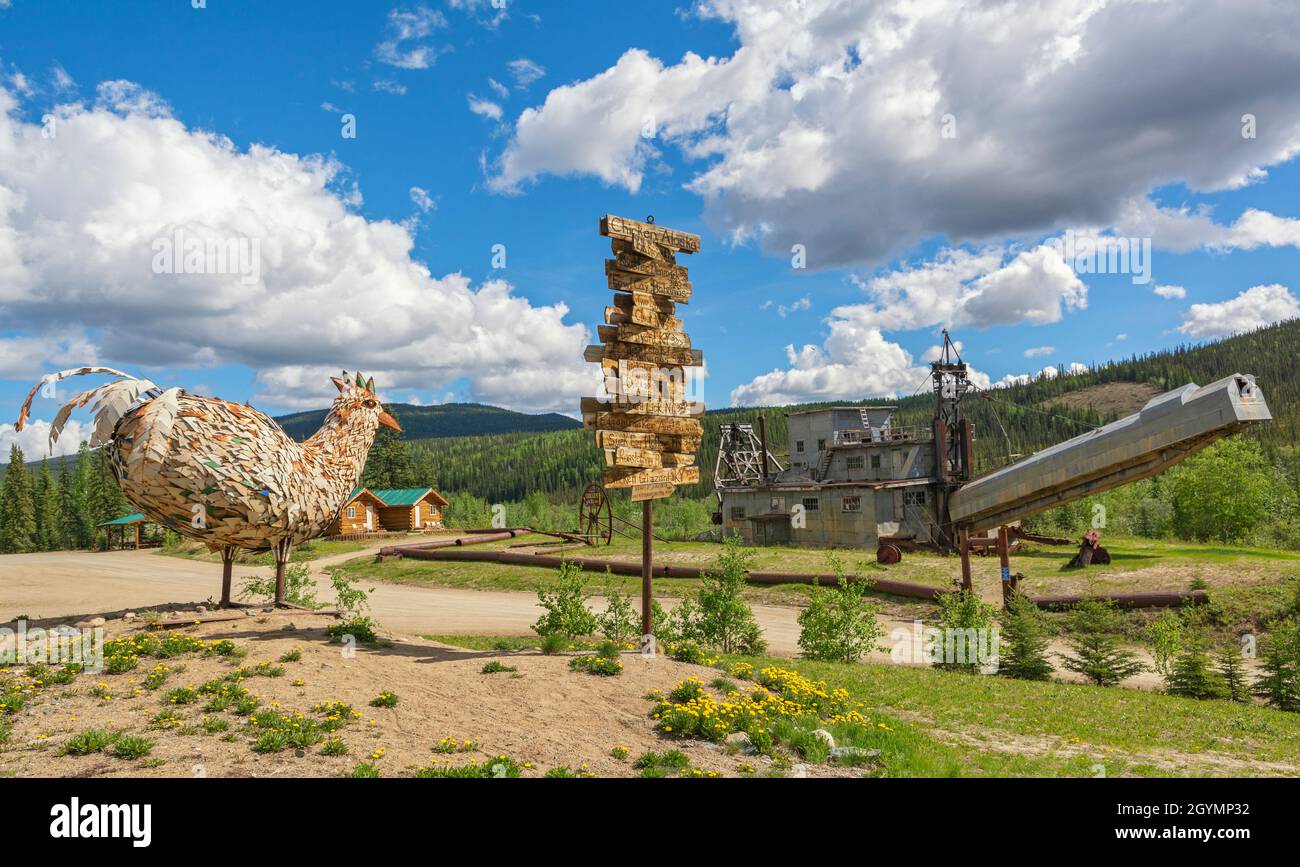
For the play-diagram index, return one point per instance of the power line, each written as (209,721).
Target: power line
(985,396)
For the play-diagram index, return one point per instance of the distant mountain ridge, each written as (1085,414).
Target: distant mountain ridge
(442,420)
(1008,421)
(502,455)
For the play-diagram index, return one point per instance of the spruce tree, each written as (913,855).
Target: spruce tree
(106,500)
(1098,655)
(390,464)
(18,530)
(1191,673)
(80,515)
(1228,664)
(1280,683)
(67,511)
(49,529)
(1023,642)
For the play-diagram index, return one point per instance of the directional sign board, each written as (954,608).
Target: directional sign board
(645,427)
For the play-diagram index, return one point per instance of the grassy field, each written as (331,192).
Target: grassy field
(304,553)
(937,723)
(1245,584)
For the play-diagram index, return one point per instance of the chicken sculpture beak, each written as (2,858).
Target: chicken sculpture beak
(386,419)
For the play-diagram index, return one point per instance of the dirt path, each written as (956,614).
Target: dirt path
(76,584)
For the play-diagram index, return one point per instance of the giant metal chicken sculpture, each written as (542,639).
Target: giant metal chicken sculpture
(223,473)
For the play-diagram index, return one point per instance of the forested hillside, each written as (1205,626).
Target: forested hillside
(1008,422)
(555,465)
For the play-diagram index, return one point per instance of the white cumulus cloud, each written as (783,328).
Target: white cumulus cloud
(81,215)
(1254,308)
(860,127)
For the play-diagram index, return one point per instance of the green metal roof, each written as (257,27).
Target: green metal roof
(125,519)
(400,496)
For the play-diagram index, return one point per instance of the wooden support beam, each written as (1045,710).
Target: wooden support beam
(647,570)
(964,536)
(1004,559)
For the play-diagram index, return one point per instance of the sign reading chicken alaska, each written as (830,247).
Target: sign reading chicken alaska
(646,427)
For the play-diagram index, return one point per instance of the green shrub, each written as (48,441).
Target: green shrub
(495,667)
(271,741)
(963,616)
(334,747)
(89,741)
(362,630)
(726,621)
(212,725)
(385,699)
(364,771)
(687,651)
(299,587)
(839,624)
(596,664)
(560,772)
(349,600)
(167,719)
(554,643)
(501,767)
(132,747)
(181,695)
(294,655)
(688,689)
(566,608)
(619,622)
(1166,634)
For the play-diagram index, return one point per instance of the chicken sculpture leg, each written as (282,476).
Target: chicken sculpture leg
(223,473)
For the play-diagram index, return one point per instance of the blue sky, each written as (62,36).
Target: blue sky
(478,125)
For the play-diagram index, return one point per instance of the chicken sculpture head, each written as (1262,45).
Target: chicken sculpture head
(359,396)
(221,472)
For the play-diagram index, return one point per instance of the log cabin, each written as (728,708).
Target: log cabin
(359,515)
(393,510)
(407,509)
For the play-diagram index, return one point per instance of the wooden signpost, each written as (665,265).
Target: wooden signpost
(645,428)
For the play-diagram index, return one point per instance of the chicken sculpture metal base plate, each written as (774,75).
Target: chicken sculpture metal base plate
(223,473)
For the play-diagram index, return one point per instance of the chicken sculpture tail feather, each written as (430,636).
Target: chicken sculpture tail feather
(111,401)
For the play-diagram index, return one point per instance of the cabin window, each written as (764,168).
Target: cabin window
(778,504)
(352,511)
(850,436)
(854,463)
(875,462)
(810,504)
(737,513)
(821,445)
(798,445)
(851,504)
(914,498)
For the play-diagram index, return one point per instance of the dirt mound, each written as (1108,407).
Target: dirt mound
(542,714)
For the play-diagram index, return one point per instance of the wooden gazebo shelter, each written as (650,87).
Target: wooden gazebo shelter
(132,524)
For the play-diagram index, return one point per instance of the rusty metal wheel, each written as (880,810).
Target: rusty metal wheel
(595,519)
(888,555)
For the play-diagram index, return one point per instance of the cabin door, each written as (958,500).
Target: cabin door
(370,519)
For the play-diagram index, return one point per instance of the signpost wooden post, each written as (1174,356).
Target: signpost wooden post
(646,428)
